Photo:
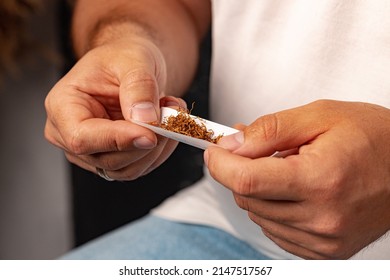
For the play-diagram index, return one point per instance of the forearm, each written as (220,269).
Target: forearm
(176,27)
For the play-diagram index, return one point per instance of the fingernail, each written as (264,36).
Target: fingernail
(143,112)
(143,143)
(233,141)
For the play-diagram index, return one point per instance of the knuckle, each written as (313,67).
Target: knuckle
(111,164)
(321,103)
(139,77)
(333,249)
(329,226)
(329,191)
(244,182)
(48,135)
(241,202)
(47,103)
(76,144)
(70,157)
(266,127)
(337,180)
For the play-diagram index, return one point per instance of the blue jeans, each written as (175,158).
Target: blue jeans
(153,238)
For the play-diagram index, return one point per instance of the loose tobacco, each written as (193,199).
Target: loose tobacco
(184,124)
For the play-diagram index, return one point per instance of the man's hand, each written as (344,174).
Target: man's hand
(89,111)
(327,193)
(132,53)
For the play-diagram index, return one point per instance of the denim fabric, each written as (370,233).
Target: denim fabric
(153,238)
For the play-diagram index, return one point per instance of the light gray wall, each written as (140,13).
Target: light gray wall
(34,191)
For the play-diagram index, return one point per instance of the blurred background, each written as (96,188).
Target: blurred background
(35,214)
(48,206)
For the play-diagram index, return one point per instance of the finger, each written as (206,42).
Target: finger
(281,131)
(120,160)
(84,126)
(52,135)
(144,165)
(100,135)
(130,170)
(171,101)
(128,166)
(293,248)
(263,178)
(281,211)
(114,160)
(79,162)
(299,242)
(140,91)
(234,141)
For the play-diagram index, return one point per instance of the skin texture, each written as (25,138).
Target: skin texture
(131,57)
(327,195)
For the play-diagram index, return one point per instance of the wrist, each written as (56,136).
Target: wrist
(108,30)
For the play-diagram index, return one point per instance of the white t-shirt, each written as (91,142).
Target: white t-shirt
(274,55)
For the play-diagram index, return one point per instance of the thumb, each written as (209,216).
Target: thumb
(142,83)
(139,96)
(277,132)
